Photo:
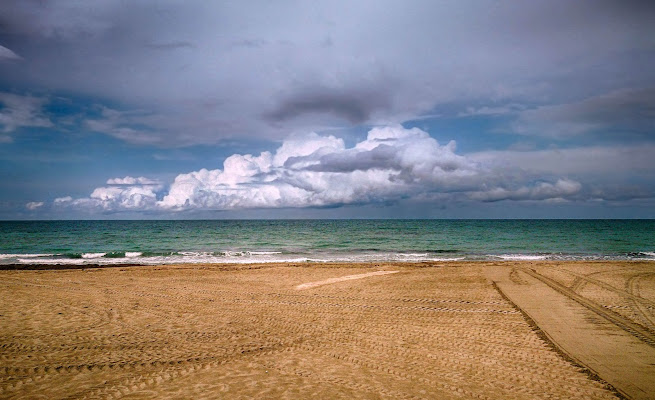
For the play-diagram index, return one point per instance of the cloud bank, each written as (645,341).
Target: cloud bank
(225,70)
(621,113)
(391,164)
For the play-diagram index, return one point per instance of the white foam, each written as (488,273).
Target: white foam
(521,257)
(414,255)
(53,261)
(235,257)
(448,259)
(93,255)
(648,253)
(5,256)
(196,253)
(246,257)
(199,258)
(234,253)
(216,260)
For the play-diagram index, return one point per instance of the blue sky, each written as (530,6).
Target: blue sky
(375,109)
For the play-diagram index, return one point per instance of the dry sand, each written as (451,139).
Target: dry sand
(210,331)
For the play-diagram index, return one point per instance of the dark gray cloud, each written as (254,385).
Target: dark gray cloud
(381,157)
(170,45)
(560,190)
(354,107)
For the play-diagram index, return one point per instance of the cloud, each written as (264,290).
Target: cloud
(349,105)
(129,181)
(491,110)
(621,112)
(599,162)
(562,189)
(132,197)
(7,54)
(391,164)
(62,200)
(268,69)
(56,21)
(170,46)
(33,205)
(148,128)
(130,126)
(611,173)
(122,194)
(319,171)
(21,111)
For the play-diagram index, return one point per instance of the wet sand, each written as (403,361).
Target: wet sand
(450,330)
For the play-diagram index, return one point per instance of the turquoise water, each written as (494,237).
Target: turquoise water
(220,241)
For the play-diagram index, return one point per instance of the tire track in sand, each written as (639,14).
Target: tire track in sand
(641,308)
(627,325)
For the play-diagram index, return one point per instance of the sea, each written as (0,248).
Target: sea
(258,241)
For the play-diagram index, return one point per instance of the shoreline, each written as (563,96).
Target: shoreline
(242,265)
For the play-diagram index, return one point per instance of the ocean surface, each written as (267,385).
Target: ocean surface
(228,241)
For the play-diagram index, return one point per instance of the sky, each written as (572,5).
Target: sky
(327,109)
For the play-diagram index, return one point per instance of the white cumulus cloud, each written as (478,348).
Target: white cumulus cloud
(391,164)
(316,171)
(121,194)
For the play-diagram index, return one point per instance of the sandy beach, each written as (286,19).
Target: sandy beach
(486,330)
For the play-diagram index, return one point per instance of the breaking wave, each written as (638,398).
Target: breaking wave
(273,256)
